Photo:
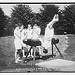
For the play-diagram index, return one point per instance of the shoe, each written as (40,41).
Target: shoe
(25,61)
(32,56)
(40,56)
(19,60)
(45,50)
(28,55)
(16,61)
(24,56)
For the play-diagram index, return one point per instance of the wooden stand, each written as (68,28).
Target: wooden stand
(57,50)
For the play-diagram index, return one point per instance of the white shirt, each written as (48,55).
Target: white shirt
(29,33)
(17,40)
(23,37)
(17,33)
(23,34)
(36,33)
(49,32)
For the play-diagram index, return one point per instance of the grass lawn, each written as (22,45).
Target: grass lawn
(7,55)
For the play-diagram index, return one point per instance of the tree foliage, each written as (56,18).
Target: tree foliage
(70,19)
(66,21)
(46,15)
(21,14)
(2,22)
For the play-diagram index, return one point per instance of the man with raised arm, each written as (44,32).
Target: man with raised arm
(49,32)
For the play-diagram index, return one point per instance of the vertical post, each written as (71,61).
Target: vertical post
(52,50)
(34,53)
(34,57)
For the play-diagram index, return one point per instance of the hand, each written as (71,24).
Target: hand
(56,18)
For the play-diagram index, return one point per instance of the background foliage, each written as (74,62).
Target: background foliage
(23,15)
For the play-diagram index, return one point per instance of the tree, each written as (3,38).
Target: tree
(66,21)
(69,18)
(46,15)
(2,22)
(9,28)
(21,14)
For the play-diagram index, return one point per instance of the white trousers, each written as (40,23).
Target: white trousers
(18,45)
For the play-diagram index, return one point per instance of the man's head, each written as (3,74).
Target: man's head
(21,27)
(16,26)
(29,26)
(35,26)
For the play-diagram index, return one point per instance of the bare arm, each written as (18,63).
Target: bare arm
(50,24)
(54,20)
(17,36)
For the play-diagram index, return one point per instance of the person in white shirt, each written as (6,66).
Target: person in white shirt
(49,32)
(23,37)
(17,42)
(36,35)
(36,32)
(29,31)
(29,36)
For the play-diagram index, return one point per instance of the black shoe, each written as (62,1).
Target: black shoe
(40,56)
(45,50)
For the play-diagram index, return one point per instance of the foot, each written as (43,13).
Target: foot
(40,56)
(28,55)
(32,56)
(16,61)
(45,50)
(25,61)
(20,59)
(24,56)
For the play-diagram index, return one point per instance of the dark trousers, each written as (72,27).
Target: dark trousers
(20,53)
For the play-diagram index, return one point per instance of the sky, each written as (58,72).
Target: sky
(35,7)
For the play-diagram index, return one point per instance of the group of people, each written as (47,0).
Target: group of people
(33,33)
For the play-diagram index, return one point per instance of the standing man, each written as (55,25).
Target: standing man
(36,35)
(17,42)
(29,36)
(23,37)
